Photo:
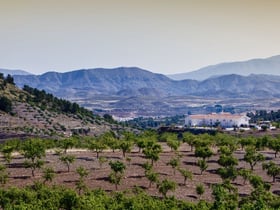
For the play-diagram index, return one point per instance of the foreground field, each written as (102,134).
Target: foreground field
(134,174)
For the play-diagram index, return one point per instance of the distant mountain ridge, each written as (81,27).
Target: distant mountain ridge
(270,66)
(14,72)
(133,82)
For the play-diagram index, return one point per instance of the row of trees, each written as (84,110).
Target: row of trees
(225,193)
(50,102)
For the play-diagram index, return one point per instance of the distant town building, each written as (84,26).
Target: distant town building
(223,119)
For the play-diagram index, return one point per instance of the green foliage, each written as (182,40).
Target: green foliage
(186,174)
(48,174)
(5,104)
(174,162)
(3,175)
(33,150)
(9,79)
(80,184)
(97,145)
(117,166)
(152,151)
(225,196)
(203,152)
(101,161)
(7,152)
(229,172)
(202,164)
(152,176)
(165,186)
(227,160)
(274,144)
(272,169)
(48,101)
(126,142)
(263,115)
(253,157)
(67,143)
(67,160)
(245,174)
(116,175)
(200,189)
(190,139)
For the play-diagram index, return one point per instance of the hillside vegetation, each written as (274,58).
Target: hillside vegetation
(34,112)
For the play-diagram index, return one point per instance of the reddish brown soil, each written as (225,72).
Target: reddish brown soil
(134,174)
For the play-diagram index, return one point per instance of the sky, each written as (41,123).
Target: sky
(162,36)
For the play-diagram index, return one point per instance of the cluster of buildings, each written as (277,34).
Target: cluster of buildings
(222,119)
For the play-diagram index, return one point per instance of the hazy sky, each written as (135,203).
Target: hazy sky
(166,36)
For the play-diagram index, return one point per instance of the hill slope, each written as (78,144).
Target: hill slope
(34,112)
(270,66)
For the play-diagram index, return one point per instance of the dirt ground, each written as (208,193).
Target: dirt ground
(134,173)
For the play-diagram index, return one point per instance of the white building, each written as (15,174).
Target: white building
(225,120)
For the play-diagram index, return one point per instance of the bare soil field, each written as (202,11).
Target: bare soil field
(134,174)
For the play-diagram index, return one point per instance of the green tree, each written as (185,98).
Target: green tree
(67,143)
(165,186)
(152,151)
(33,150)
(7,151)
(186,174)
(245,174)
(152,177)
(10,79)
(200,189)
(174,162)
(272,169)
(5,104)
(111,141)
(126,142)
(274,144)
(190,139)
(225,196)
(117,173)
(253,157)
(202,164)
(3,175)
(48,174)
(80,184)
(172,141)
(97,145)
(227,160)
(67,160)
(203,152)
(229,172)
(101,161)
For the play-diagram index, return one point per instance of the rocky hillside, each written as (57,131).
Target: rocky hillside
(34,112)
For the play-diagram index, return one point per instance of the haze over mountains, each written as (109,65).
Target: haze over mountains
(134,90)
(269,66)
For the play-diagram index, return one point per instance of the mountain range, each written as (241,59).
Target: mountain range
(141,92)
(131,82)
(269,66)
